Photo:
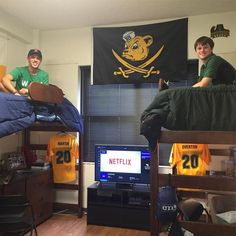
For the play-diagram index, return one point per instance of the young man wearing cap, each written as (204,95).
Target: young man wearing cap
(23,76)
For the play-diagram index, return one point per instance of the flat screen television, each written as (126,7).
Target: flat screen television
(124,164)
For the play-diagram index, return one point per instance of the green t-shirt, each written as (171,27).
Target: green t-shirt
(217,68)
(23,78)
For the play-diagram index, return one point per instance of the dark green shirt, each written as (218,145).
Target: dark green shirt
(23,78)
(219,70)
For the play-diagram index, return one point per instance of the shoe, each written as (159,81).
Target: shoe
(45,93)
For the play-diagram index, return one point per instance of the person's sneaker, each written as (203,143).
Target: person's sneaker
(45,93)
(163,85)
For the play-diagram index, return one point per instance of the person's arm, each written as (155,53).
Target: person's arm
(7,83)
(205,82)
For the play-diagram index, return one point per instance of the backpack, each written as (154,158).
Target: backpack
(167,202)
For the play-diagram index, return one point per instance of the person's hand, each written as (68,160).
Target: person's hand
(17,94)
(23,91)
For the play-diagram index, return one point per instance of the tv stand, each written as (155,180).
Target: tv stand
(125,186)
(119,205)
(112,185)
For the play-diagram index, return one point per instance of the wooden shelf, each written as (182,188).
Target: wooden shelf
(200,183)
(49,126)
(57,126)
(66,186)
(209,137)
(204,229)
(215,183)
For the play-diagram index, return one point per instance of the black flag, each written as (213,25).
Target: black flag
(140,54)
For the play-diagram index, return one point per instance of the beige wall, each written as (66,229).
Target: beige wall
(14,28)
(65,50)
(200,25)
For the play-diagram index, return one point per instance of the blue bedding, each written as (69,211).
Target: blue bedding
(19,112)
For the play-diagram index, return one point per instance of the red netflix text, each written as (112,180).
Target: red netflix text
(119,161)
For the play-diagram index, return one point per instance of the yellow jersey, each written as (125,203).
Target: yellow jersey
(62,152)
(190,159)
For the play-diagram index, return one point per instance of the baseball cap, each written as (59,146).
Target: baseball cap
(36,52)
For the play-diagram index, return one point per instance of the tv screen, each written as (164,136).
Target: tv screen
(122,164)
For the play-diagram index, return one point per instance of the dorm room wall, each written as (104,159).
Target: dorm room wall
(15,39)
(65,50)
(78,52)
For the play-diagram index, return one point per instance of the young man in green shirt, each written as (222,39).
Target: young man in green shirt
(214,70)
(23,76)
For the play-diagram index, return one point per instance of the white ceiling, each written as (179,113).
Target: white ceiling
(62,14)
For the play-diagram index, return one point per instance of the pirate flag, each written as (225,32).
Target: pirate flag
(140,54)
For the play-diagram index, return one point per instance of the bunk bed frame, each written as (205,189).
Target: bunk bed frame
(52,95)
(57,126)
(205,183)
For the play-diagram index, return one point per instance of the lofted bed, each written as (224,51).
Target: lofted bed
(191,115)
(19,113)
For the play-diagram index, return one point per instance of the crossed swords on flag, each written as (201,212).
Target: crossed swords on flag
(140,69)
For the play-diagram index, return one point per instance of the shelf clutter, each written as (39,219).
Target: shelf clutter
(205,184)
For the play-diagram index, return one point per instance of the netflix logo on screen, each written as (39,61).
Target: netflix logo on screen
(121,161)
(116,161)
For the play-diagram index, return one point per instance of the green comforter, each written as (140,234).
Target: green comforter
(210,108)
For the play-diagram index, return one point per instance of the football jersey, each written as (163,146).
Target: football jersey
(63,151)
(190,159)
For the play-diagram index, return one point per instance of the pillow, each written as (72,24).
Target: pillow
(228,216)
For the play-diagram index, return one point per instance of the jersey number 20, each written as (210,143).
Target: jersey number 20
(63,156)
(190,161)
